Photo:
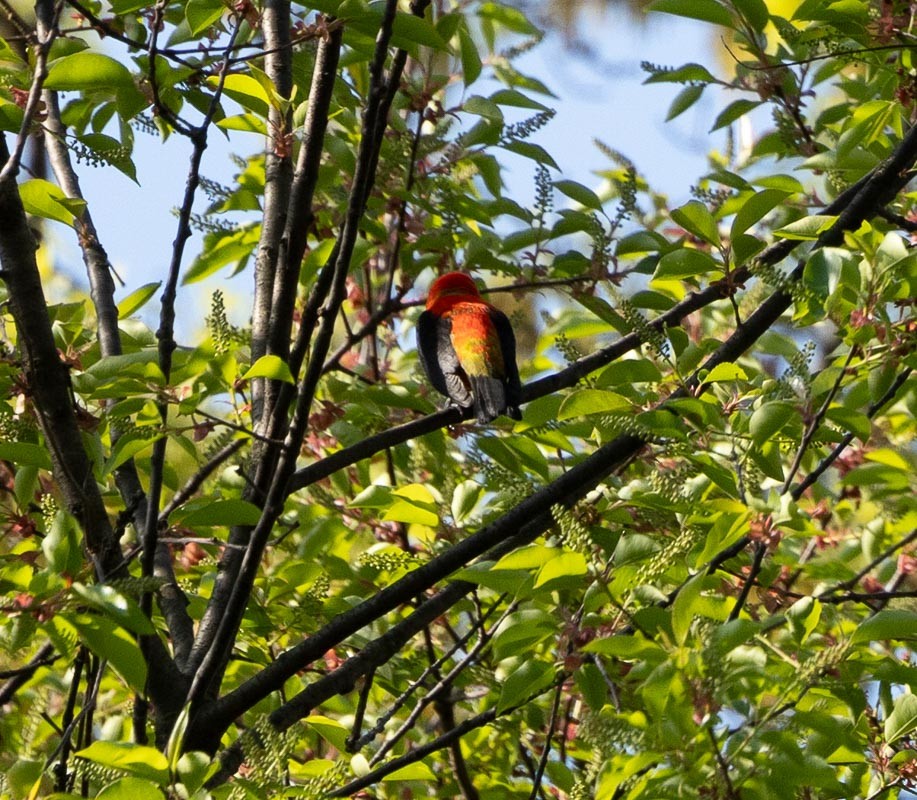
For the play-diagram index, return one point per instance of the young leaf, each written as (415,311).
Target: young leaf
(137,299)
(581,194)
(137,760)
(695,218)
(87,70)
(530,678)
(704,10)
(686,98)
(903,718)
(272,367)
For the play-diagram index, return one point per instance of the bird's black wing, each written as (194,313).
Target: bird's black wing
(511,371)
(439,360)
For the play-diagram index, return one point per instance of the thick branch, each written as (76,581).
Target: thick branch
(301,216)
(278,176)
(49,384)
(519,526)
(102,290)
(223,620)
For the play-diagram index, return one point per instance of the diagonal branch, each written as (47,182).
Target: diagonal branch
(519,526)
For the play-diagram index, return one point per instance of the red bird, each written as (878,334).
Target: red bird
(468,350)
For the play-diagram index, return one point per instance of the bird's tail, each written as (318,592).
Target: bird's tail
(489,398)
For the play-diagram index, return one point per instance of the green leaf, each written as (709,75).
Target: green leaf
(535,152)
(521,632)
(418,771)
(686,98)
(208,513)
(725,373)
(330,730)
(684,609)
(887,624)
(704,10)
(137,299)
(110,641)
(44,199)
(591,684)
(420,31)
(118,607)
(194,769)
(755,11)
(247,91)
(628,648)
(510,18)
(695,218)
(128,446)
(23,777)
(61,545)
(512,581)
(131,789)
(465,499)
(138,760)
(686,262)
(565,565)
(806,229)
(583,402)
(903,718)
(11,116)
(641,242)
(482,107)
(471,59)
(201,14)
(223,248)
(803,617)
(175,744)
(683,74)
(247,123)
(785,183)
(515,98)
(755,208)
(581,194)
(732,112)
(532,556)
(854,421)
(112,152)
(25,454)
(87,70)
(271,367)
(770,419)
(529,679)
(126,6)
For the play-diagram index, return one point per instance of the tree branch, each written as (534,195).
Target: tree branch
(519,526)
(278,177)
(15,678)
(842,445)
(47,15)
(225,618)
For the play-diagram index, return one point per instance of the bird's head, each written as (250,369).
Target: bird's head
(451,284)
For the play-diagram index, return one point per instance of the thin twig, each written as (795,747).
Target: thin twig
(543,761)
(197,480)
(439,743)
(435,691)
(47,14)
(753,572)
(814,424)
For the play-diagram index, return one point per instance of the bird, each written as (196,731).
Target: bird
(468,350)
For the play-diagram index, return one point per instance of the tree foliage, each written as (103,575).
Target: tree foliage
(262,563)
